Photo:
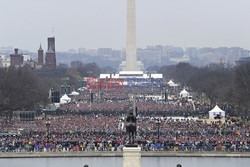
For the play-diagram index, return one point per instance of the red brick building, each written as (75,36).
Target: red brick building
(16,59)
(40,56)
(50,59)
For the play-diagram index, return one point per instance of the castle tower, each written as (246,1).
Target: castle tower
(40,55)
(50,59)
(16,59)
(51,42)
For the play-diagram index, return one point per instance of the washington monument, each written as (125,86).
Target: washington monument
(131,64)
(131,67)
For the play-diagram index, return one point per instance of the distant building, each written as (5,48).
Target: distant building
(116,53)
(105,51)
(206,50)
(222,50)
(191,52)
(92,52)
(175,52)
(31,63)
(26,58)
(81,50)
(76,64)
(4,61)
(62,65)
(51,43)
(16,59)
(6,50)
(40,56)
(152,55)
(243,60)
(50,58)
(72,51)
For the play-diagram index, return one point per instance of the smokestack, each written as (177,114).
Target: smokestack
(16,51)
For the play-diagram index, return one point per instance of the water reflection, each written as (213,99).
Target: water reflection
(117,162)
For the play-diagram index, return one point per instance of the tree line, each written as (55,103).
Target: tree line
(20,89)
(23,89)
(224,86)
(27,89)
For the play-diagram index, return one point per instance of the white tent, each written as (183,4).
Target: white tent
(65,99)
(172,84)
(184,93)
(216,111)
(74,93)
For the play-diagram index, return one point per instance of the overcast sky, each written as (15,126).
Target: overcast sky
(102,23)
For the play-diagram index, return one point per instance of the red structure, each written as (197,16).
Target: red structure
(51,43)
(16,60)
(40,56)
(50,59)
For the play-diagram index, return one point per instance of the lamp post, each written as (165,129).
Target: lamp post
(91,94)
(121,122)
(89,73)
(48,125)
(158,122)
(65,87)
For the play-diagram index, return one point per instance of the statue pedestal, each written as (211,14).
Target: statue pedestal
(131,157)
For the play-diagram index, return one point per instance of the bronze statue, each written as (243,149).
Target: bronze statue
(131,128)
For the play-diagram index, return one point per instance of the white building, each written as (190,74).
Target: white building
(28,61)
(4,61)
(26,58)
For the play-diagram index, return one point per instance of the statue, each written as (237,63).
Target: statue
(131,128)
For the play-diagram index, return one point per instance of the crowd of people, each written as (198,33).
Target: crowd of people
(148,102)
(108,133)
(99,125)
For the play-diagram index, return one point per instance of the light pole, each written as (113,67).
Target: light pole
(158,122)
(121,123)
(91,94)
(65,87)
(48,125)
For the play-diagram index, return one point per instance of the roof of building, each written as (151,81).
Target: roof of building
(244,59)
(40,48)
